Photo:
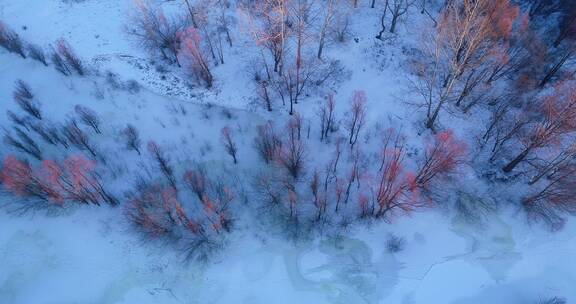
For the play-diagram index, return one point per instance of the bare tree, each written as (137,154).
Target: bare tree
(504,126)
(25,99)
(192,52)
(356,116)
(163,163)
(300,74)
(229,143)
(132,138)
(382,21)
(268,190)
(60,64)
(57,135)
(567,25)
(327,117)
(341,27)
(192,13)
(563,56)
(270,32)
(17,120)
(329,11)
(267,143)
(210,27)
(466,34)
(11,41)
(264,93)
(319,196)
(554,196)
(298,78)
(353,174)
(293,153)
(197,181)
(49,133)
(523,52)
(394,187)
(539,7)
(39,129)
(37,53)
(556,120)
(66,52)
(224,21)
(549,167)
(88,117)
(78,138)
(398,8)
(155,32)
(23,143)
(442,158)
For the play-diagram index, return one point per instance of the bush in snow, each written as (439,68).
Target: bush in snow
(11,41)
(267,143)
(132,86)
(195,219)
(60,64)
(37,53)
(395,243)
(65,51)
(132,138)
(553,300)
(73,1)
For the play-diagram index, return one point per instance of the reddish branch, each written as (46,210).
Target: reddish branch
(72,180)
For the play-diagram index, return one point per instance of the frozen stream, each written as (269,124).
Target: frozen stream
(81,259)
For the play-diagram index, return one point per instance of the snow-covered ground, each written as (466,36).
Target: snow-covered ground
(89,254)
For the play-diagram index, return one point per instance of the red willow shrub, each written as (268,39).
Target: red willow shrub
(194,217)
(55,183)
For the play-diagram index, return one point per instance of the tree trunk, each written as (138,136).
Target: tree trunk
(191,12)
(555,69)
(393,24)
(511,165)
(321,45)
(432,120)
(383,29)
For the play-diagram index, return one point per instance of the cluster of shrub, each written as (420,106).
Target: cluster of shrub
(62,56)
